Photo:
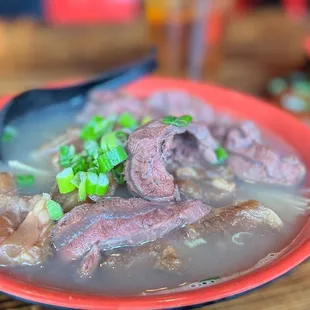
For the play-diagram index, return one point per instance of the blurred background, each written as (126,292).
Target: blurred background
(259,47)
(254,46)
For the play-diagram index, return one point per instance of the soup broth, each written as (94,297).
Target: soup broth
(218,254)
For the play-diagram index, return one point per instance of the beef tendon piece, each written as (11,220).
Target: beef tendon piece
(29,243)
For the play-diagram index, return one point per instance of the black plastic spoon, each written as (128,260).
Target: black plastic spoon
(74,96)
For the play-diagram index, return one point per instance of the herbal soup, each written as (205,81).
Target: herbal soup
(136,196)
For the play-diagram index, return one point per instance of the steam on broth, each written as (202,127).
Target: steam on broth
(197,212)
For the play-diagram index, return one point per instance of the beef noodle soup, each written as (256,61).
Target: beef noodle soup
(142,195)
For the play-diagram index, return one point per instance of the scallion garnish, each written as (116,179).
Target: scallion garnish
(65,155)
(103,152)
(118,175)
(145,120)
(92,148)
(9,133)
(181,121)
(79,164)
(82,187)
(110,141)
(25,180)
(97,126)
(64,179)
(221,155)
(102,185)
(111,158)
(54,210)
(127,120)
(91,183)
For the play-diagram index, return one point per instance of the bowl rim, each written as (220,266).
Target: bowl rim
(68,299)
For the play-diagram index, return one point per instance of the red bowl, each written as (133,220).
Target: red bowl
(267,116)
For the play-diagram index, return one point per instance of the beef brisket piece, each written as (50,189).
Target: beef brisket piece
(111,103)
(121,222)
(152,147)
(255,162)
(178,103)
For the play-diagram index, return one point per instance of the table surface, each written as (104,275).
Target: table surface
(288,293)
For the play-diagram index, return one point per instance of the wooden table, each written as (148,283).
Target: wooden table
(291,292)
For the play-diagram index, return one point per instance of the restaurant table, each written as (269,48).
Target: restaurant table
(290,292)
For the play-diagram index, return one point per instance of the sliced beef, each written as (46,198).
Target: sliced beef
(243,217)
(154,146)
(241,135)
(178,103)
(255,162)
(90,262)
(121,222)
(28,242)
(111,103)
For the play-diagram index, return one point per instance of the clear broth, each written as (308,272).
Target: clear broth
(219,257)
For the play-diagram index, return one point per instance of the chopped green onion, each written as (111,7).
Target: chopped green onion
(181,121)
(121,135)
(221,155)
(64,179)
(168,120)
(76,181)
(194,243)
(79,164)
(82,187)
(97,126)
(94,170)
(91,183)
(102,185)
(145,120)
(24,180)
(9,133)
(111,159)
(118,175)
(79,181)
(54,210)
(92,148)
(109,141)
(65,155)
(127,120)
